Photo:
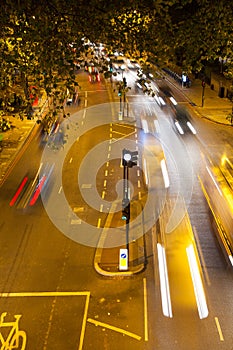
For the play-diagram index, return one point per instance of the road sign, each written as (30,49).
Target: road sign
(123,260)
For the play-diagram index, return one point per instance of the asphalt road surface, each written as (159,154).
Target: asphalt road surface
(47,253)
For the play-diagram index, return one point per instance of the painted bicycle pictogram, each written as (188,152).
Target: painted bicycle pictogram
(15,338)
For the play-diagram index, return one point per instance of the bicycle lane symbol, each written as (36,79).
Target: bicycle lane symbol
(15,339)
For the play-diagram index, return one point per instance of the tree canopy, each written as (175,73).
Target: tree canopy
(41,41)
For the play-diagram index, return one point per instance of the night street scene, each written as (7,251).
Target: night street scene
(116,175)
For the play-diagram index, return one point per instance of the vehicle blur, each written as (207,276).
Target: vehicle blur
(94,75)
(217,185)
(182,120)
(118,63)
(133,64)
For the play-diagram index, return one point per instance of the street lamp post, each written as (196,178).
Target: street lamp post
(203,93)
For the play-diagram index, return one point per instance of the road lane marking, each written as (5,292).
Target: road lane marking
(57,294)
(113,328)
(105,183)
(84,322)
(71,159)
(99,222)
(125,136)
(101,208)
(119,133)
(139,184)
(86,186)
(76,222)
(219,328)
(42,294)
(145,310)
(78,209)
(106,173)
(103,195)
(124,126)
(60,189)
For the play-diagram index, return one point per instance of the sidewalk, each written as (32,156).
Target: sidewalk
(14,138)
(214,107)
(106,260)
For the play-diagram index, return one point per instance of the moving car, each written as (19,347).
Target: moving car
(93,75)
(182,120)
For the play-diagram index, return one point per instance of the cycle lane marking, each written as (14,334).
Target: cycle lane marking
(56,294)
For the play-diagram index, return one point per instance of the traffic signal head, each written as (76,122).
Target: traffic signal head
(125,209)
(134,158)
(129,158)
(124,82)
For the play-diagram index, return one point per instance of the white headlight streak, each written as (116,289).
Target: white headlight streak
(197,283)
(191,128)
(165,173)
(179,128)
(164,284)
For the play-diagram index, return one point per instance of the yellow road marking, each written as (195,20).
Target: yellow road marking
(120,330)
(84,322)
(219,328)
(43,294)
(57,294)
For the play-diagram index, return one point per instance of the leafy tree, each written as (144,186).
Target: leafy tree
(41,41)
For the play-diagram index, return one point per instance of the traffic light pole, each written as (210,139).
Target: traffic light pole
(126,198)
(129,159)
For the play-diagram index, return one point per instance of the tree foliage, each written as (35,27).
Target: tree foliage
(42,40)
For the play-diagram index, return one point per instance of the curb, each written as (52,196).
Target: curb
(141,252)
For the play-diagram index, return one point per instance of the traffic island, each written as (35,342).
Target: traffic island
(107,260)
